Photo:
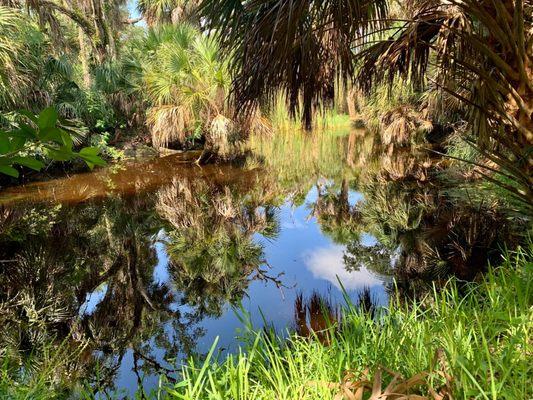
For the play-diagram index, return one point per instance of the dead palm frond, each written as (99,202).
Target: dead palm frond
(479,53)
(358,386)
(400,125)
(168,124)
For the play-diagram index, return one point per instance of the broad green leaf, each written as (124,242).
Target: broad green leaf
(29,115)
(51,134)
(29,131)
(47,118)
(5,160)
(8,170)
(5,145)
(24,131)
(89,151)
(67,139)
(95,160)
(29,162)
(61,154)
(18,142)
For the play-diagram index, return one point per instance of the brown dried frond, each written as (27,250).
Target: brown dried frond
(357,386)
(168,124)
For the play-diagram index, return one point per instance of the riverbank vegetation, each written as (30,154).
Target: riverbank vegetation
(181,83)
(465,341)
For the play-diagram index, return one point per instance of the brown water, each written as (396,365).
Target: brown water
(124,179)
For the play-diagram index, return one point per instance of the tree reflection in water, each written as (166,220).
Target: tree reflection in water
(79,272)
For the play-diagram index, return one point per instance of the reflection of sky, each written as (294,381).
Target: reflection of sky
(327,263)
(308,260)
(161,275)
(93,299)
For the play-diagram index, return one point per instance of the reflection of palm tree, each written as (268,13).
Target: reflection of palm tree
(213,269)
(376,258)
(210,243)
(315,315)
(337,218)
(43,292)
(431,233)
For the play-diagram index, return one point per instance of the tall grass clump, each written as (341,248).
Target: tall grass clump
(467,341)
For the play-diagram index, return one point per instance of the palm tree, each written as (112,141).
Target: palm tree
(158,12)
(297,46)
(186,83)
(480,52)
(16,59)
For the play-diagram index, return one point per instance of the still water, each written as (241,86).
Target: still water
(146,263)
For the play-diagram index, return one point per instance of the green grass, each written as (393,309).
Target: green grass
(482,330)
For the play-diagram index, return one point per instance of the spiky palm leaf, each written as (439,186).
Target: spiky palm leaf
(297,46)
(15,58)
(186,83)
(481,54)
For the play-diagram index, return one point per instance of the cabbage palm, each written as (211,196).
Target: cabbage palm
(158,12)
(16,58)
(186,83)
(30,77)
(297,46)
(480,53)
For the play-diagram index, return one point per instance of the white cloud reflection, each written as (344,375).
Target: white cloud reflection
(327,263)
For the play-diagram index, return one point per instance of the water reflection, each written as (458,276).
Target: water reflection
(328,263)
(138,265)
(133,268)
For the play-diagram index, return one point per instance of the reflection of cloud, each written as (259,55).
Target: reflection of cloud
(327,263)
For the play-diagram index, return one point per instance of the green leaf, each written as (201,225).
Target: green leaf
(28,131)
(29,162)
(67,139)
(89,151)
(51,134)
(8,170)
(5,145)
(47,118)
(91,161)
(90,156)
(25,131)
(29,115)
(18,142)
(61,154)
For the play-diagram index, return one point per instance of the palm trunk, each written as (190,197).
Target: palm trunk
(84,59)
